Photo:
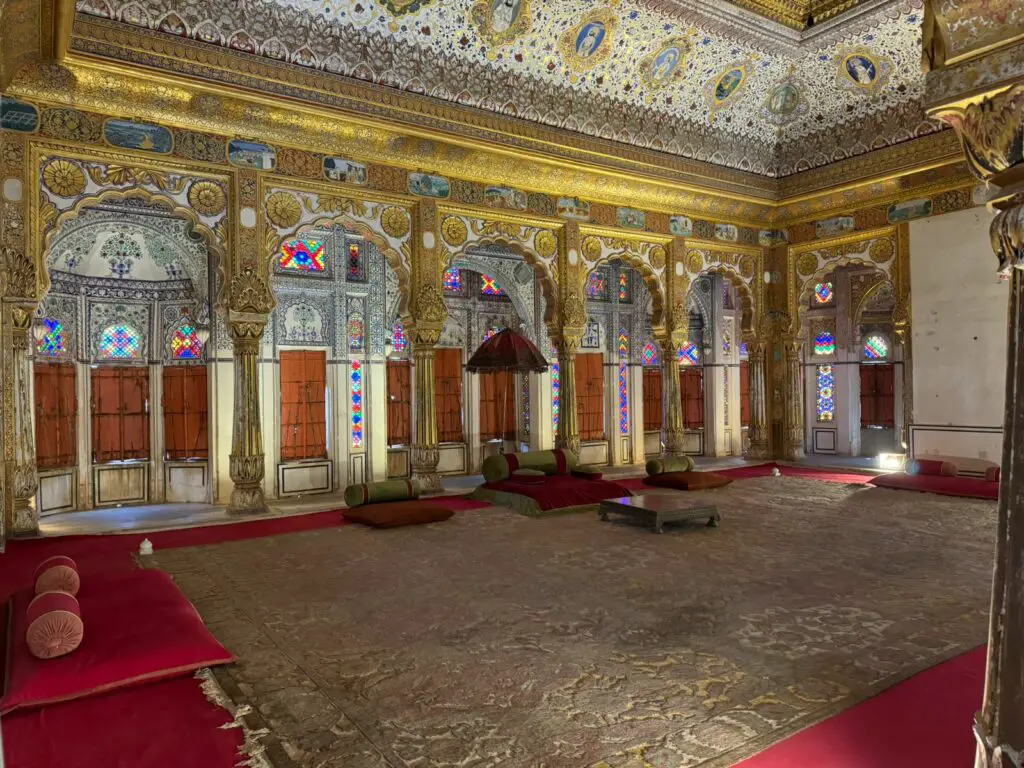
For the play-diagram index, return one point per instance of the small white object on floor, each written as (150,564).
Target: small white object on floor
(146,547)
(775,472)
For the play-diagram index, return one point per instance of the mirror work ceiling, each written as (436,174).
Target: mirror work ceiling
(703,80)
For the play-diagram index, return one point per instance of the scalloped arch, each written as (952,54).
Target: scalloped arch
(654,287)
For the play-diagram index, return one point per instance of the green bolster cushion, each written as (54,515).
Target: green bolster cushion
(663,464)
(389,490)
(556,462)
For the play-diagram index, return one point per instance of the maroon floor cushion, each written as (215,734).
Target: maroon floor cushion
(138,628)
(970,487)
(395,514)
(562,491)
(933,467)
(688,481)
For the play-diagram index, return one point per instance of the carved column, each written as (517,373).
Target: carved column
(568,436)
(25,479)
(758,433)
(247,459)
(571,321)
(425,451)
(675,432)
(793,439)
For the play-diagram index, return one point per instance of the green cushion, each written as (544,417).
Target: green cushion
(500,467)
(663,464)
(389,490)
(529,473)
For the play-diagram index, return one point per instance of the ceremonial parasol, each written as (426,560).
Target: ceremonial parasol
(507,351)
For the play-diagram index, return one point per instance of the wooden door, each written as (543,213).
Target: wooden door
(186,412)
(590,395)
(653,380)
(303,405)
(448,395)
(399,402)
(877,401)
(56,410)
(745,393)
(691,388)
(120,413)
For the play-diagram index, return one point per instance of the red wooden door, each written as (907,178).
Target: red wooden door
(120,413)
(186,407)
(56,409)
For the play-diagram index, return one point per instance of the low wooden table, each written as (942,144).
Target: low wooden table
(656,509)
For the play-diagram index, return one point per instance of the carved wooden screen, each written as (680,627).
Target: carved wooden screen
(745,393)
(498,405)
(56,408)
(303,405)
(120,413)
(399,402)
(652,399)
(590,395)
(186,412)
(877,407)
(691,387)
(448,395)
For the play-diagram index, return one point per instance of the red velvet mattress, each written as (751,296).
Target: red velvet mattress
(561,491)
(971,487)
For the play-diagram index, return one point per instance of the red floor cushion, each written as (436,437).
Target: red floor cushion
(969,487)
(992,474)
(395,514)
(57,573)
(932,467)
(54,625)
(562,491)
(688,481)
(141,628)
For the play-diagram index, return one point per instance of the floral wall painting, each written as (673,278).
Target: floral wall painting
(505,197)
(249,154)
(501,22)
(909,210)
(631,218)
(667,63)
(836,226)
(589,42)
(573,208)
(425,185)
(345,171)
(727,232)
(18,115)
(680,226)
(142,136)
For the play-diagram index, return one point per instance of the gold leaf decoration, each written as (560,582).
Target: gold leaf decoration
(658,256)
(283,210)
(64,178)
(694,262)
(591,248)
(806,264)
(334,204)
(882,250)
(395,222)
(546,243)
(454,231)
(207,198)
(747,267)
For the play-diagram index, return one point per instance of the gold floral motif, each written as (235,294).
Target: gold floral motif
(64,178)
(806,264)
(334,204)
(747,267)
(658,257)
(395,222)
(591,248)
(429,305)
(694,262)
(283,210)
(121,175)
(207,198)
(454,231)
(70,125)
(882,250)
(546,243)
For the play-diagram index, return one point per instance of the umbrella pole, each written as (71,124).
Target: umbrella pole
(504,414)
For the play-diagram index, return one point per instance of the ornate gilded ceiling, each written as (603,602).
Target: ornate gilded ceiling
(796,13)
(695,79)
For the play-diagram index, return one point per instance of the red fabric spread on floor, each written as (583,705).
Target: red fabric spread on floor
(970,487)
(924,721)
(561,491)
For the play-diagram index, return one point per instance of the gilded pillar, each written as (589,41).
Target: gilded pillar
(425,451)
(571,321)
(24,478)
(758,429)
(247,459)
(675,432)
(677,328)
(793,432)
(568,436)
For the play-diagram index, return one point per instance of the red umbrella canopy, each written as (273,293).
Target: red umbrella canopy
(507,351)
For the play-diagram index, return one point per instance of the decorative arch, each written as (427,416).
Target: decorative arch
(508,284)
(644,256)
(748,304)
(869,296)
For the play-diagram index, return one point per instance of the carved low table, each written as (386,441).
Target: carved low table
(656,509)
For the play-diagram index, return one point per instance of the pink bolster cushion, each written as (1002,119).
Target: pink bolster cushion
(57,573)
(933,467)
(54,625)
(992,474)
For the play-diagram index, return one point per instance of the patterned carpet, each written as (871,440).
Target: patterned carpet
(497,640)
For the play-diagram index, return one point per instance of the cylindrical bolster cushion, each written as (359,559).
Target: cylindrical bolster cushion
(663,464)
(556,462)
(932,467)
(54,625)
(992,474)
(389,490)
(528,476)
(57,573)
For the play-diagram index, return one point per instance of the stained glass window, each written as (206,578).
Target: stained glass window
(623,286)
(185,343)
(623,382)
(556,386)
(355,334)
(876,348)
(826,400)
(824,343)
(357,404)
(726,342)
(398,340)
(725,394)
(453,280)
(689,354)
(743,348)
(524,395)
(597,285)
(52,342)
(489,286)
(650,354)
(823,293)
(493,330)
(355,263)
(120,342)
(304,254)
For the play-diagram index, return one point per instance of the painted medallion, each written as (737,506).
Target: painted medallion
(345,171)
(249,154)
(680,226)
(573,208)
(863,70)
(589,42)
(501,22)
(785,102)
(631,218)
(505,197)
(143,136)
(722,89)
(666,64)
(425,185)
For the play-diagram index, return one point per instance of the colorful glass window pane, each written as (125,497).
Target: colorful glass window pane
(453,280)
(826,400)
(726,342)
(120,342)
(490,287)
(725,394)
(304,254)
(357,404)
(743,348)
(355,334)
(398,341)
(623,286)
(689,354)
(824,343)
(493,330)
(597,285)
(650,354)
(556,386)
(623,382)
(52,343)
(823,293)
(524,396)
(876,348)
(185,343)
(355,262)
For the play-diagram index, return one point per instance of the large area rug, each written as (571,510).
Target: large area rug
(498,640)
